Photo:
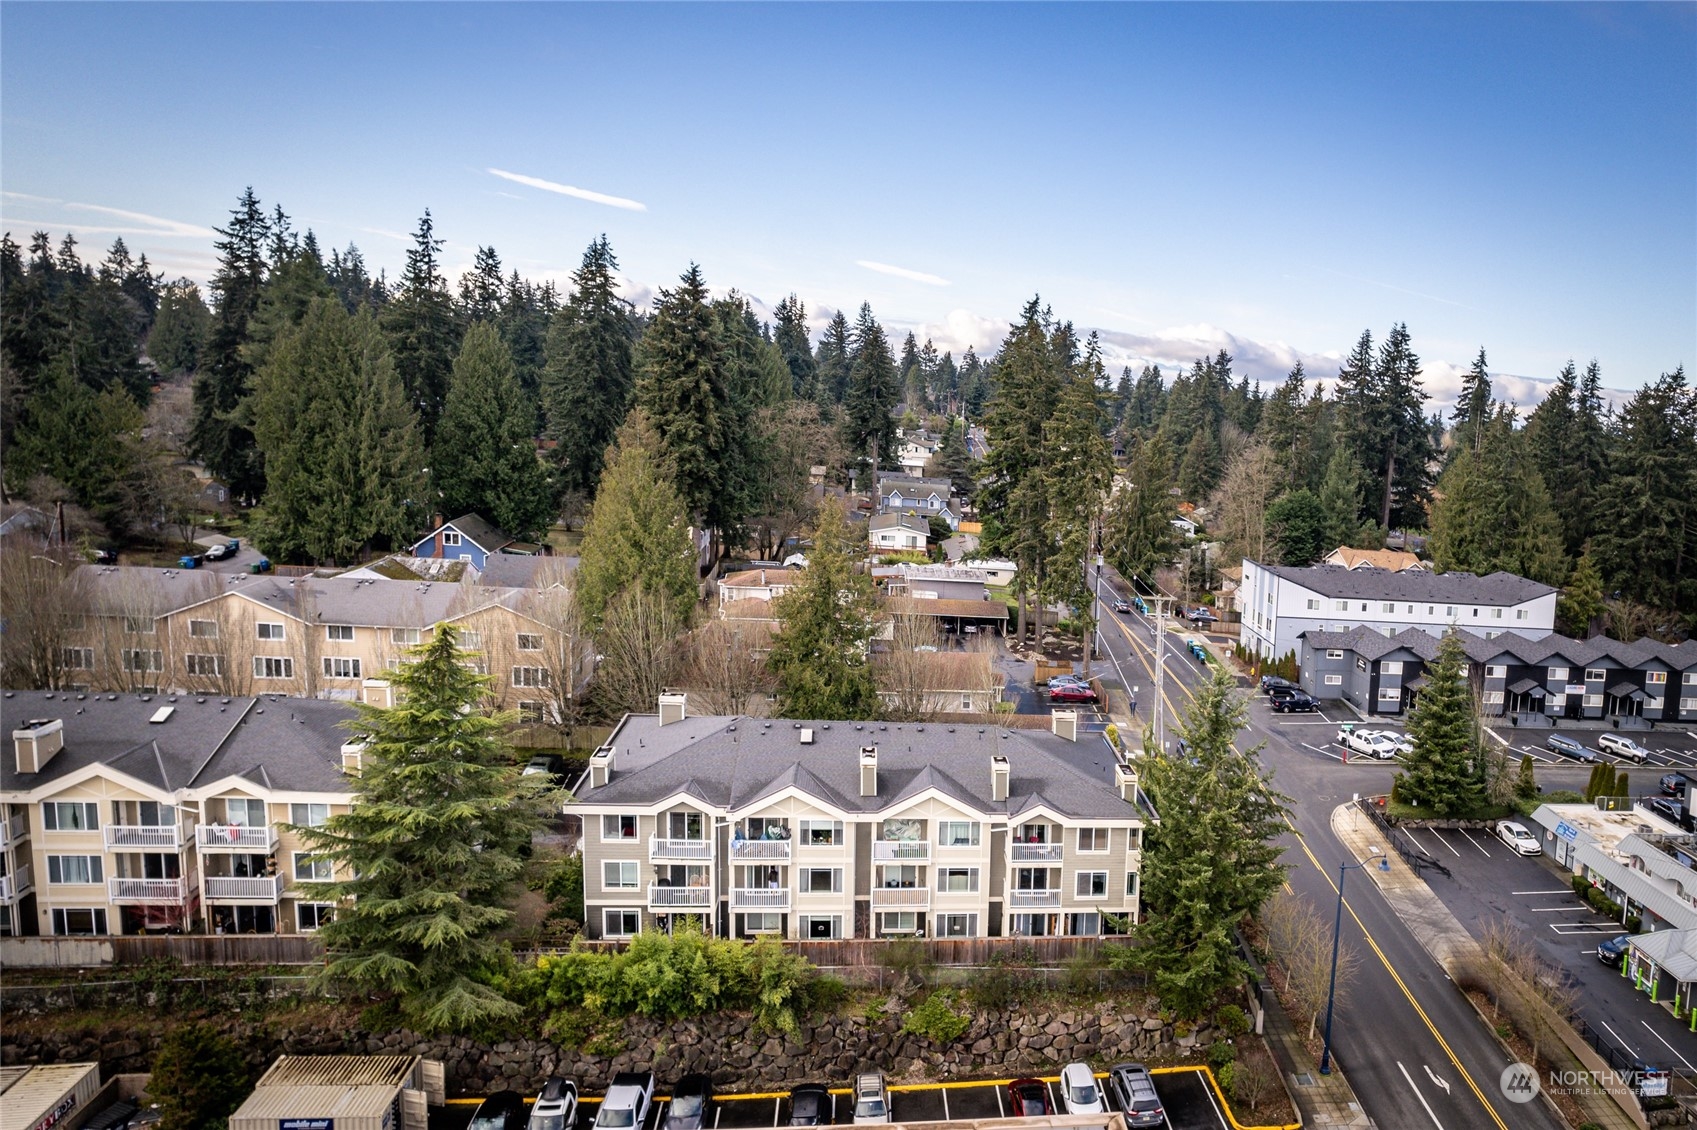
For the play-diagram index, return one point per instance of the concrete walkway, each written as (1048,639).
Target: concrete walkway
(1321,1100)
(1459,954)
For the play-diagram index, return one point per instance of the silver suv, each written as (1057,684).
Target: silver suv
(871,1099)
(1135,1089)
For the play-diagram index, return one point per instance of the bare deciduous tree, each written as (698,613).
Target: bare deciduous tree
(638,647)
(1540,997)
(44,603)
(1301,941)
(722,666)
(1250,484)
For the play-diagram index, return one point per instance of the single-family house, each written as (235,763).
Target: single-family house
(898,531)
(1394,560)
(467,538)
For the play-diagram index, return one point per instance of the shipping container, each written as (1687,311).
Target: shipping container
(344,1092)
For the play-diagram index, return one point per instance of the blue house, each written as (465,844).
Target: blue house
(467,538)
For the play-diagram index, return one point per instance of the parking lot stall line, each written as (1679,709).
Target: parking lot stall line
(1476,843)
(1667,1045)
(1619,1037)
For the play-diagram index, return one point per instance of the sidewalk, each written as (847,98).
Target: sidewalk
(1321,1100)
(1457,952)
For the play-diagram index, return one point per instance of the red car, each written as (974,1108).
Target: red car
(1030,1098)
(1072,692)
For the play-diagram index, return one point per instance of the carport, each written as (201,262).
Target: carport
(1664,964)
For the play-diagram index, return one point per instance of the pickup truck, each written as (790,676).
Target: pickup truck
(627,1101)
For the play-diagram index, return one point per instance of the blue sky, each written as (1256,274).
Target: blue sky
(1270,179)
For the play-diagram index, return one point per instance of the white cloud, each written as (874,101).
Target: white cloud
(902,273)
(569,190)
(158,224)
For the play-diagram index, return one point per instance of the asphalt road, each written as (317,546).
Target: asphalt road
(1413,1049)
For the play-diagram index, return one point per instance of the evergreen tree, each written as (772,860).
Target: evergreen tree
(419,323)
(431,847)
(953,460)
(200,1077)
(911,375)
(1148,401)
(351,281)
(343,458)
(1282,426)
(1646,510)
(1472,408)
(527,311)
(1200,469)
(1494,513)
(292,282)
(1138,536)
(832,363)
(588,379)
(1299,527)
(974,385)
(638,531)
(819,653)
(483,291)
(1405,448)
(1446,771)
(873,388)
(178,340)
(1579,606)
(681,386)
(793,342)
(1078,466)
(485,460)
(87,441)
(1214,858)
(1526,782)
(1340,497)
(221,438)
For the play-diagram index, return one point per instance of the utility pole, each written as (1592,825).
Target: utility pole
(1160,675)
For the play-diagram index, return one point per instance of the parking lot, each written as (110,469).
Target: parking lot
(1669,749)
(1189,1099)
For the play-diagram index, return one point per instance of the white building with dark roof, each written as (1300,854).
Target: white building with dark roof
(1278,603)
(830,829)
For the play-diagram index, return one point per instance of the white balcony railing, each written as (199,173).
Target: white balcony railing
(1037,853)
(680,896)
(14,830)
(146,890)
(908,897)
(237,837)
(659,847)
(761,898)
(1020,900)
(217,888)
(906,850)
(143,836)
(18,883)
(760,849)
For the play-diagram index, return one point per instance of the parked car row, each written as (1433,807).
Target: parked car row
(1071,688)
(1380,744)
(691,1107)
(1286,698)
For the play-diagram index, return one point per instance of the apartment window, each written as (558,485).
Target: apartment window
(1387,606)
(77,658)
(1653,703)
(1391,667)
(1557,701)
(1334,680)
(1390,694)
(822,880)
(210,666)
(1476,614)
(1091,884)
(1496,614)
(1521,614)
(957,833)
(1496,671)
(1558,674)
(1655,678)
(530,676)
(1133,839)
(339,667)
(309,916)
(618,827)
(529,642)
(1593,700)
(1689,679)
(70,816)
(620,923)
(822,833)
(1595,674)
(762,923)
(532,711)
(898,922)
(339,633)
(957,925)
(404,637)
(310,869)
(135,659)
(965,702)
(618,875)
(273,667)
(269,631)
(309,815)
(1342,606)
(244,812)
(1093,839)
(1688,704)
(1493,698)
(73,869)
(203,629)
(957,880)
(1131,884)
(471,641)
(78,921)
(1449,611)
(1313,604)
(1430,610)
(821,926)
(1334,653)
(450,537)
(138,625)
(1364,606)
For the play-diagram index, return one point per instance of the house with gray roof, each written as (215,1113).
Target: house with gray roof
(921,497)
(830,829)
(1278,603)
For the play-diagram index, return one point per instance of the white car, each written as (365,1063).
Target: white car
(871,1099)
(1374,744)
(1515,835)
(1404,744)
(1079,1092)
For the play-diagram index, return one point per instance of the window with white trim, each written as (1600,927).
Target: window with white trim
(1390,694)
(532,711)
(1449,610)
(1595,674)
(1593,700)
(203,629)
(1688,704)
(1522,614)
(1493,698)
(618,827)
(762,923)
(529,641)
(339,633)
(1655,678)
(1496,670)
(1496,614)
(821,880)
(1131,884)
(1558,674)
(619,875)
(1090,884)
(340,667)
(206,666)
(1558,700)
(77,658)
(310,869)
(821,926)
(957,880)
(139,660)
(309,916)
(1653,703)
(70,816)
(1342,606)
(957,925)
(1334,680)
(77,921)
(1334,653)
(139,625)
(1387,606)
(309,815)
(268,631)
(450,537)
(1689,679)
(530,676)
(1093,839)
(620,923)
(1313,604)
(273,667)
(898,922)
(957,833)
(1391,667)
(404,637)
(470,641)
(79,869)
(821,833)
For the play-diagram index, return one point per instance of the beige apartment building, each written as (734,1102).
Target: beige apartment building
(197,632)
(828,829)
(125,813)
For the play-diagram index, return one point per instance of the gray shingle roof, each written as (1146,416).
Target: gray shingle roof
(486,534)
(524,570)
(1372,645)
(739,761)
(1381,584)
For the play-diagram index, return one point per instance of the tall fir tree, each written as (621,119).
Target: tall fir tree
(483,291)
(177,342)
(220,436)
(423,334)
(819,654)
(485,459)
(1446,770)
(1138,536)
(1078,466)
(1579,606)
(1472,408)
(832,362)
(795,345)
(1405,450)
(589,374)
(1340,497)
(873,388)
(1646,511)
(681,386)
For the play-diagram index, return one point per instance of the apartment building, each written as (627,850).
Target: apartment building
(197,632)
(125,814)
(830,829)
(1278,603)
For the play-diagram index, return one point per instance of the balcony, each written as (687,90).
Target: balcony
(147,890)
(659,847)
(905,898)
(1036,853)
(904,851)
(679,896)
(14,830)
(237,837)
(223,888)
(1034,900)
(143,836)
(760,898)
(760,850)
(15,885)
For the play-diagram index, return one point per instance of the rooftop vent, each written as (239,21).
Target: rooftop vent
(806,735)
(998,777)
(601,767)
(161,715)
(1065,724)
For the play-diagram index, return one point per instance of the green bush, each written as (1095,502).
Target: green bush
(1221,1053)
(936,1020)
(909,958)
(1232,1020)
(200,1078)
(563,887)
(999,986)
(1226,1077)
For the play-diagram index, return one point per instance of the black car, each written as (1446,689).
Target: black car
(504,1110)
(105,557)
(1296,700)
(810,1105)
(1673,784)
(691,1107)
(1611,951)
(1269,682)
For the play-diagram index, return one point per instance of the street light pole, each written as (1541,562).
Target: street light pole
(1384,864)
